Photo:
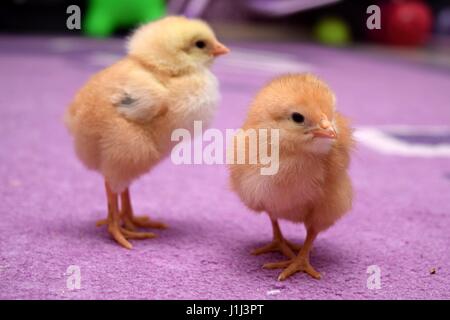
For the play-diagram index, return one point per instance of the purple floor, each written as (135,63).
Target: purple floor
(49,202)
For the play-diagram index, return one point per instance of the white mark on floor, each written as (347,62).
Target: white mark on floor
(273,292)
(382,139)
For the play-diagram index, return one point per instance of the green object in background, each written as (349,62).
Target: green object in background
(103,17)
(333,31)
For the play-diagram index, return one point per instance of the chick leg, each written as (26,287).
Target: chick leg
(114,224)
(113,220)
(299,263)
(279,243)
(131,222)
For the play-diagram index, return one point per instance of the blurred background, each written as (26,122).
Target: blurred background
(418,25)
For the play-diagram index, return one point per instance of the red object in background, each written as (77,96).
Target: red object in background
(404,22)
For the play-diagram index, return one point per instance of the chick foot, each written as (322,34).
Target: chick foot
(133,222)
(284,246)
(292,266)
(130,221)
(299,263)
(279,243)
(121,235)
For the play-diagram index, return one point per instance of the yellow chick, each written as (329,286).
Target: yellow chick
(311,185)
(123,117)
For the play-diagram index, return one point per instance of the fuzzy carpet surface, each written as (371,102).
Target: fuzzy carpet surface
(400,221)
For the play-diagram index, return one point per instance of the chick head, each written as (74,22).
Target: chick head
(302,107)
(176,44)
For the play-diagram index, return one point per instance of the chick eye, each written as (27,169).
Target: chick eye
(200,44)
(297,117)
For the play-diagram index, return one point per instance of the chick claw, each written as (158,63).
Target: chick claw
(136,222)
(121,235)
(285,247)
(133,222)
(292,266)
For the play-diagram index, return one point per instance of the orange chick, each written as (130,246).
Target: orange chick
(122,118)
(311,185)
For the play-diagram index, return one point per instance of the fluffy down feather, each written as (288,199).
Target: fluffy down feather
(312,185)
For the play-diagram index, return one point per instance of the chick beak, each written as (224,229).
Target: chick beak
(219,49)
(325,130)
